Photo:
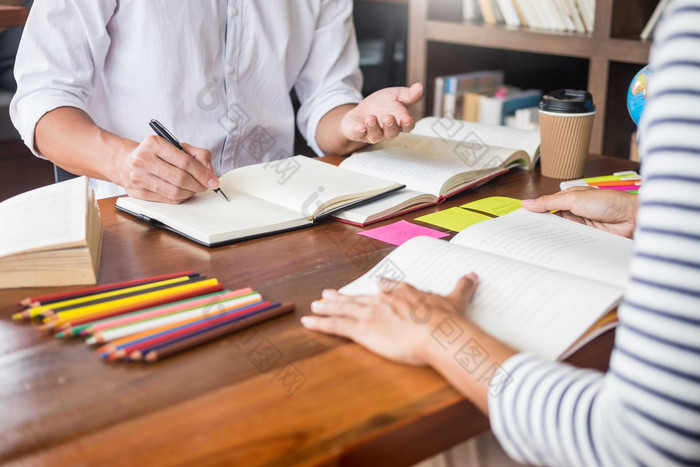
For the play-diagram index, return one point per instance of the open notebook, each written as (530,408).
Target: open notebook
(439,159)
(544,281)
(264,199)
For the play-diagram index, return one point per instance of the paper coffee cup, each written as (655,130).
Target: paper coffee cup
(566,122)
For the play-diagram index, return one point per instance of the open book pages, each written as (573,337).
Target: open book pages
(480,134)
(50,236)
(431,165)
(544,280)
(264,198)
(440,158)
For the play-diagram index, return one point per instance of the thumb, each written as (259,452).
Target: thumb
(465,289)
(562,201)
(409,96)
(555,202)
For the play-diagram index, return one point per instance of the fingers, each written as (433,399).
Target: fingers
(158,171)
(202,155)
(192,174)
(561,201)
(390,127)
(464,290)
(409,96)
(336,325)
(374,131)
(336,304)
(387,127)
(151,188)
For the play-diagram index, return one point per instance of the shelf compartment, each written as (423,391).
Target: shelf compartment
(517,39)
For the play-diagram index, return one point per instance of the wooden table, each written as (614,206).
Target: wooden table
(273,395)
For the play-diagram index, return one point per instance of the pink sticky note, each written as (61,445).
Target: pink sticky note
(400,232)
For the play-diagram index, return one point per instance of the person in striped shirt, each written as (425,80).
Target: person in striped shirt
(646,409)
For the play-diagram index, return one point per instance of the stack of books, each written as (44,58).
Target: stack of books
(552,15)
(151,318)
(51,236)
(482,97)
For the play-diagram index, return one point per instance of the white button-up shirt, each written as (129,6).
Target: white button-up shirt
(217,73)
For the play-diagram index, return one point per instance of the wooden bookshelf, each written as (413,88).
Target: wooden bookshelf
(440,42)
(12,16)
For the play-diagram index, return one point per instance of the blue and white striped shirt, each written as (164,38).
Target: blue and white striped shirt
(646,409)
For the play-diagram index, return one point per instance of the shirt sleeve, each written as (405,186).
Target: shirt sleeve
(63,49)
(646,409)
(331,76)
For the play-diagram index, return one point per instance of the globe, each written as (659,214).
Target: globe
(637,94)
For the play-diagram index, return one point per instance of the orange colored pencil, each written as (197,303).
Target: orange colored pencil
(44,299)
(163,310)
(112,346)
(77,317)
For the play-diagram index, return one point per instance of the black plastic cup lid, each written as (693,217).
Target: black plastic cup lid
(567,101)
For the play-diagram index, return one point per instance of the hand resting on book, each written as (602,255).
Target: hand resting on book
(399,324)
(609,210)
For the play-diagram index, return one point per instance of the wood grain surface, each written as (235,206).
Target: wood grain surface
(275,394)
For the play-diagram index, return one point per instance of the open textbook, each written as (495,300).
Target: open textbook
(50,236)
(264,198)
(544,280)
(439,158)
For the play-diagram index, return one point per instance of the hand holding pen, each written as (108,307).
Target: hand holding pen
(198,176)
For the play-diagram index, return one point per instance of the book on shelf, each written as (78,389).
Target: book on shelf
(546,284)
(265,198)
(471,10)
(494,108)
(509,12)
(550,15)
(439,159)
(450,90)
(648,30)
(481,97)
(488,11)
(524,119)
(51,236)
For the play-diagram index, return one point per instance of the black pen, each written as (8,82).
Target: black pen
(165,134)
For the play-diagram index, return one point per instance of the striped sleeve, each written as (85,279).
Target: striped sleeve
(646,409)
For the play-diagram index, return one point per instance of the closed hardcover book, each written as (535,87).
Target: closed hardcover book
(51,236)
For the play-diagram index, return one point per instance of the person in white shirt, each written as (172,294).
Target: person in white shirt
(646,409)
(91,74)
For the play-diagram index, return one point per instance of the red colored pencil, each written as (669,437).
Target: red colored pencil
(52,326)
(44,299)
(179,331)
(211,334)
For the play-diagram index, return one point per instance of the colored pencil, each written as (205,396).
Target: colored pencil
(117,332)
(43,299)
(122,347)
(615,183)
(162,310)
(173,347)
(626,177)
(52,308)
(76,323)
(620,187)
(138,349)
(125,305)
(86,328)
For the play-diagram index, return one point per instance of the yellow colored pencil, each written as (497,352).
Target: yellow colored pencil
(115,306)
(48,309)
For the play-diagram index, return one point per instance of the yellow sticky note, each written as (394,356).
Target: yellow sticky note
(456,219)
(496,205)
